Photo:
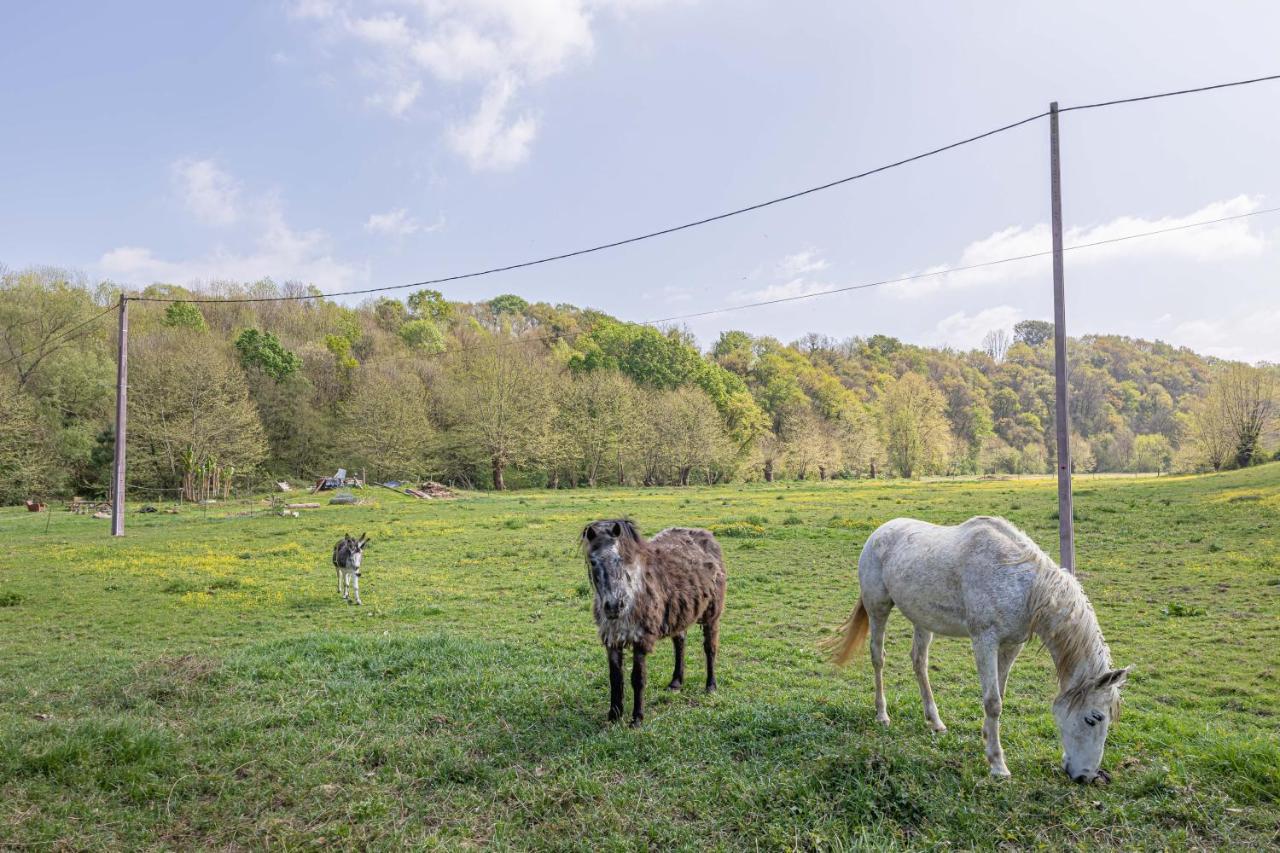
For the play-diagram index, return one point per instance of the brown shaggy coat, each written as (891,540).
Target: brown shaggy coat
(646,591)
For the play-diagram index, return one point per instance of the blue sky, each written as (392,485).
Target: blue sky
(357,144)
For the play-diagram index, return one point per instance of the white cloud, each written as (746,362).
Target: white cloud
(494,47)
(279,251)
(965,331)
(785,290)
(396,100)
(398,223)
(207,191)
(1206,243)
(1248,336)
(792,278)
(801,263)
(492,139)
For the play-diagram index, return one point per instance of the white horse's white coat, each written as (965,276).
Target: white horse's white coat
(986,580)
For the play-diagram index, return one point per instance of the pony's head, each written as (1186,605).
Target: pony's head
(1084,714)
(610,548)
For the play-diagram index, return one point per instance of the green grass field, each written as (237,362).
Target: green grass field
(200,684)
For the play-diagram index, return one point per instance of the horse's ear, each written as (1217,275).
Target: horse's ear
(616,530)
(1114,678)
(589,532)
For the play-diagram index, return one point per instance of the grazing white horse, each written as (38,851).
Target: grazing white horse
(985,579)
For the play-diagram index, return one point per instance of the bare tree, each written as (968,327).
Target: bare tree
(996,344)
(1247,396)
(497,389)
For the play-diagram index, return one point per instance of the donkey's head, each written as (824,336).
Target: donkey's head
(611,548)
(1084,714)
(355,550)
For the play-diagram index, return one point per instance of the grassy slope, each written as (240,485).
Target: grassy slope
(199,683)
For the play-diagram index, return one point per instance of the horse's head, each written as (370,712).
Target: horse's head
(615,577)
(1084,714)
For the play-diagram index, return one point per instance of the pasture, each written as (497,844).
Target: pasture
(201,684)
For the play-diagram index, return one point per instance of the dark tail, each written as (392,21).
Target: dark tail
(853,633)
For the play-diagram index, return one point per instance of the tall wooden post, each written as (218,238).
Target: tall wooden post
(1066,520)
(122,417)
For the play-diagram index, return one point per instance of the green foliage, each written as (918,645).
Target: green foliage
(752,408)
(340,347)
(29,469)
(184,315)
(422,336)
(431,305)
(389,314)
(263,350)
(1033,333)
(508,303)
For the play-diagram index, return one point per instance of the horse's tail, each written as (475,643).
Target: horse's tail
(853,633)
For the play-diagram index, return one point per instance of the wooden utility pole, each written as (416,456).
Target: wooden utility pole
(122,417)
(1066,520)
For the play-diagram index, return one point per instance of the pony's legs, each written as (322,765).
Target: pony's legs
(878,619)
(710,645)
(1008,654)
(356,586)
(615,683)
(677,680)
(339,581)
(639,675)
(920,662)
(986,655)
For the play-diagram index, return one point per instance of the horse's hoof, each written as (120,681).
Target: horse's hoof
(884,721)
(1000,773)
(675,685)
(636,722)
(938,729)
(712,687)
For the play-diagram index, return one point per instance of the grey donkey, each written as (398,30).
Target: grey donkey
(347,556)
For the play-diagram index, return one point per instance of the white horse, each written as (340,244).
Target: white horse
(986,580)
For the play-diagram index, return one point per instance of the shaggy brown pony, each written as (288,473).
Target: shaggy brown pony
(648,590)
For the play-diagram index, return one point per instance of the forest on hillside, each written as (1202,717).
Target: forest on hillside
(506,393)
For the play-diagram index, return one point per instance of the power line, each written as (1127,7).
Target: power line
(61,338)
(616,243)
(570,335)
(717,217)
(950,270)
(1169,94)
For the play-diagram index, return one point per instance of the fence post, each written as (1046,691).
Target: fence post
(122,416)
(1066,520)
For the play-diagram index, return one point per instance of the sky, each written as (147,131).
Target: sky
(359,144)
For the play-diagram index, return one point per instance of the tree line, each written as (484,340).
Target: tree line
(505,393)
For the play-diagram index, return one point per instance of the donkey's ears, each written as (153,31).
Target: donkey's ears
(1114,678)
(616,530)
(589,532)
(364,537)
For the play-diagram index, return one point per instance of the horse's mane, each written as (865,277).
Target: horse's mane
(1061,614)
(1063,617)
